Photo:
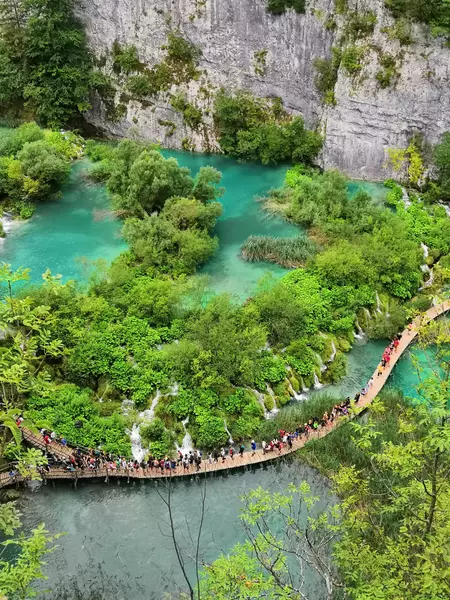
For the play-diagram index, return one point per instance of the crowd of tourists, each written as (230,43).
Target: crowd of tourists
(192,460)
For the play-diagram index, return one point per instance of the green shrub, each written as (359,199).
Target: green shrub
(352,59)
(359,24)
(278,7)
(125,59)
(388,73)
(327,73)
(259,129)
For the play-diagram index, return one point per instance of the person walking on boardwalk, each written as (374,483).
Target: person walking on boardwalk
(231,452)
(241,450)
(223,454)
(253,445)
(263,446)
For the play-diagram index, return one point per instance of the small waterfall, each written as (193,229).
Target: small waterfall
(296,395)
(260,398)
(322,366)
(186,444)
(137,450)
(425,250)
(126,406)
(430,279)
(8,223)
(333,352)
(230,439)
(405,198)
(317,384)
(360,334)
(378,304)
(149,414)
(304,388)
(367,316)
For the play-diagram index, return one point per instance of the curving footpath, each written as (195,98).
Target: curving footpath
(249,458)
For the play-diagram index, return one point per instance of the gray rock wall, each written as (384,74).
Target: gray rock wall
(366,119)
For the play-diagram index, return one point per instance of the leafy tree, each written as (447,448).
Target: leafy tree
(17,577)
(44,60)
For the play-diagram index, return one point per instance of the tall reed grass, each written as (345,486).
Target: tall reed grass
(287,252)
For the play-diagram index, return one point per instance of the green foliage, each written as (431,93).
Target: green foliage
(442,161)
(178,67)
(257,129)
(192,115)
(278,7)
(436,14)
(125,59)
(388,74)
(327,74)
(357,230)
(34,163)
(353,59)
(69,404)
(44,61)
(359,24)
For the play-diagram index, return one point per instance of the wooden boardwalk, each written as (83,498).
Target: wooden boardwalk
(249,458)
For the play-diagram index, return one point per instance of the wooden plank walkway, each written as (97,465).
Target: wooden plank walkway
(249,458)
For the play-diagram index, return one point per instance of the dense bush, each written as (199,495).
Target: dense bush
(257,129)
(66,406)
(33,165)
(44,61)
(436,13)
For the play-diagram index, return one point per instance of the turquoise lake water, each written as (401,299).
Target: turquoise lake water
(64,232)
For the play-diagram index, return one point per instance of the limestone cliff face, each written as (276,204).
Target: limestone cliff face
(366,119)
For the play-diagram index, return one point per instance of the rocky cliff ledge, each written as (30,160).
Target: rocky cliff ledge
(245,47)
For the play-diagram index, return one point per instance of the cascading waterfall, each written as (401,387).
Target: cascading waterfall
(304,388)
(149,414)
(186,444)
(230,439)
(425,250)
(405,198)
(322,366)
(317,384)
(360,334)
(446,208)
(426,269)
(367,315)
(7,221)
(146,416)
(378,309)
(260,398)
(137,450)
(274,410)
(333,352)
(296,395)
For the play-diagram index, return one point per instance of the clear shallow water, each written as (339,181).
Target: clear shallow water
(242,216)
(116,545)
(65,230)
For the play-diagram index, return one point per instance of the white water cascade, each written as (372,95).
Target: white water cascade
(296,395)
(360,334)
(405,198)
(274,410)
(367,315)
(137,450)
(333,352)
(230,439)
(186,444)
(149,414)
(260,398)
(446,208)
(317,384)
(322,366)
(378,304)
